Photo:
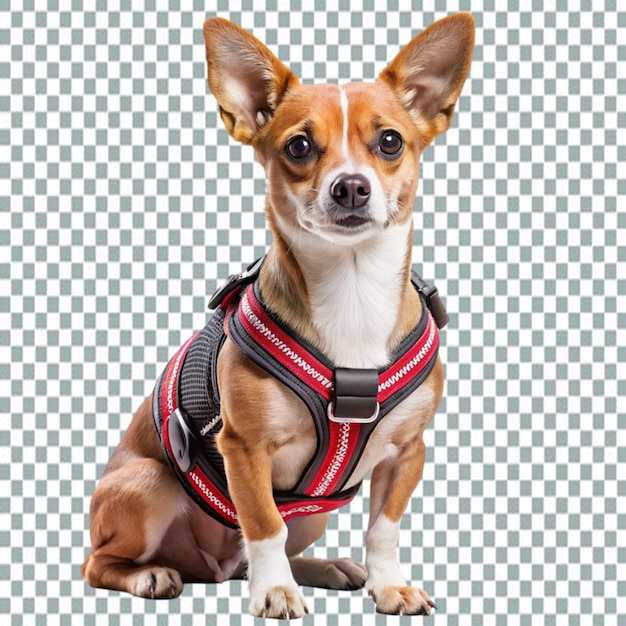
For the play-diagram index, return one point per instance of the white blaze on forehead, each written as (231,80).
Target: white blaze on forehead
(377,203)
(343,98)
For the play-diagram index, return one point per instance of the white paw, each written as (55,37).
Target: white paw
(281,602)
(402,601)
(156,582)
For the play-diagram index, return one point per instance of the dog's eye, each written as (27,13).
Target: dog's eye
(391,143)
(298,147)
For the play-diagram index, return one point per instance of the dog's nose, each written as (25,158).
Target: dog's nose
(351,191)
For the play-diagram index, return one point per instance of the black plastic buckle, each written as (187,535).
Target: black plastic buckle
(433,300)
(234,282)
(356,396)
(183,443)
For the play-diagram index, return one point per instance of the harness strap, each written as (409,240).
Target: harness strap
(364,397)
(182,443)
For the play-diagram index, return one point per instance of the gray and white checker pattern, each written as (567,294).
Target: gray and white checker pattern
(123,204)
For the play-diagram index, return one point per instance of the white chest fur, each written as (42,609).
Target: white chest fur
(354,294)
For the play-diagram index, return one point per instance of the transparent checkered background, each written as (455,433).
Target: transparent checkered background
(123,204)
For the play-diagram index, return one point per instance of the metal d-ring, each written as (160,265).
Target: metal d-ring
(351,420)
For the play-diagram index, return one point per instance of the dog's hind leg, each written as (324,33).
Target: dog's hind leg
(132,508)
(128,523)
(344,574)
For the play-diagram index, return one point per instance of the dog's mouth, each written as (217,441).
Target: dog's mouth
(339,225)
(347,229)
(352,222)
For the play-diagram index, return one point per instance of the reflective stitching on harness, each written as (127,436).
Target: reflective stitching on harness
(283,347)
(211,497)
(207,429)
(182,352)
(337,461)
(302,510)
(397,376)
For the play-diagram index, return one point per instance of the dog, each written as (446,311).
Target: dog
(320,361)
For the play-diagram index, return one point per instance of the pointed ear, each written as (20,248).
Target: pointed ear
(428,74)
(247,80)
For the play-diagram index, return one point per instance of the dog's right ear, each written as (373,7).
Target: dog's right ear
(428,74)
(247,80)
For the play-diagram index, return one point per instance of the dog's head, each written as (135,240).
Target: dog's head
(342,161)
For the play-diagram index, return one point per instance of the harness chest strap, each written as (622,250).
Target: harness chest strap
(329,392)
(181,451)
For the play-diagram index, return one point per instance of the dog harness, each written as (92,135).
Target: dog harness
(345,404)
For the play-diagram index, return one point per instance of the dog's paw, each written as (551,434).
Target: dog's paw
(156,583)
(344,574)
(402,601)
(279,602)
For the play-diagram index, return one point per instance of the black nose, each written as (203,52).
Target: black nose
(351,191)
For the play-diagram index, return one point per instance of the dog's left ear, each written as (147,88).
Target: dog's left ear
(247,80)
(428,74)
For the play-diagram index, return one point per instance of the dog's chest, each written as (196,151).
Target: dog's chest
(353,320)
(402,424)
(354,299)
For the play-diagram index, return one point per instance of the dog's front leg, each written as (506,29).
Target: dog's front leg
(251,434)
(273,590)
(393,482)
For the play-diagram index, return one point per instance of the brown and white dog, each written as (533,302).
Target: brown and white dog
(342,169)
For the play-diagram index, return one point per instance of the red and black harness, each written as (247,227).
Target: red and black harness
(345,404)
